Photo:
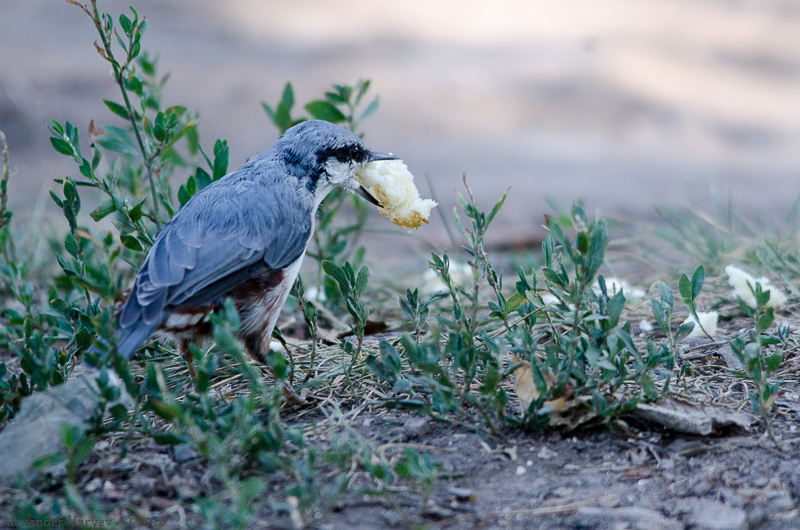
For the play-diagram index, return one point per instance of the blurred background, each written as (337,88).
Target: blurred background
(625,104)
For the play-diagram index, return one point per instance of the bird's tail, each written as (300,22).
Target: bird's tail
(129,339)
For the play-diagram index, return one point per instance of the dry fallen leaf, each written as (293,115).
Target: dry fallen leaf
(523,383)
(563,411)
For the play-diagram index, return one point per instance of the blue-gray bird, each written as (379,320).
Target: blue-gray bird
(244,236)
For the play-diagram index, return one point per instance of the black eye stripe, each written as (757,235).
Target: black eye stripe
(347,153)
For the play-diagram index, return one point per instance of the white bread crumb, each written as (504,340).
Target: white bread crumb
(392,184)
(743,282)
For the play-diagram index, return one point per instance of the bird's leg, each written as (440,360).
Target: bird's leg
(290,395)
(255,343)
(188,356)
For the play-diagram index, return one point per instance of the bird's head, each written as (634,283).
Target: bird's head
(326,156)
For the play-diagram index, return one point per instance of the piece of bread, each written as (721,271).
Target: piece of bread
(392,184)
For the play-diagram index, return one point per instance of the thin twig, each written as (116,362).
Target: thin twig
(119,72)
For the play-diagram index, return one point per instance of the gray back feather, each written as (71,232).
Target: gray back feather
(258,217)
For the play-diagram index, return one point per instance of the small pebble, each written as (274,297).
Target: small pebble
(462,494)
(184,453)
(546,453)
(94,485)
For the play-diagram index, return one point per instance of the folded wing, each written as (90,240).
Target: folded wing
(231,231)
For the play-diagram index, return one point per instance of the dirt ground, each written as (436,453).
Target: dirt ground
(589,480)
(594,480)
(643,477)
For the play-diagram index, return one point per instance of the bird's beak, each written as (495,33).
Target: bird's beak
(367,195)
(374,157)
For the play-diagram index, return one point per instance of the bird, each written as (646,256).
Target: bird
(243,236)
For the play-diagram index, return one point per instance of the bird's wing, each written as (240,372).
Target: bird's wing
(227,233)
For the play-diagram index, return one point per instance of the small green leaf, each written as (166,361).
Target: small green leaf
(516,300)
(160,129)
(71,132)
(557,234)
(335,272)
(57,200)
(350,273)
(496,208)
(615,307)
(268,110)
(344,91)
(278,365)
(625,337)
(371,108)
(71,195)
(161,409)
(134,85)
(135,213)
(334,98)
(380,369)
(287,97)
(579,219)
(648,387)
(71,245)
(131,242)
(762,297)
(66,267)
(684,330)
(766,320)
(178,110)
(57,127)
(117,140)
(282,117)
(363,86)
(62,146)
(774,361)
(361,281)
(125,23)
(698,278)
(103,209)
(191,186)
(582,242)
(554,278)
(220,161)
(685,287)
(598,242)
(117,109)
(323,110)
(98,154)
(203,178)
(183,195)
(666,295)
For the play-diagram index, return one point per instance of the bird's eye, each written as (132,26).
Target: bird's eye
(346,154)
